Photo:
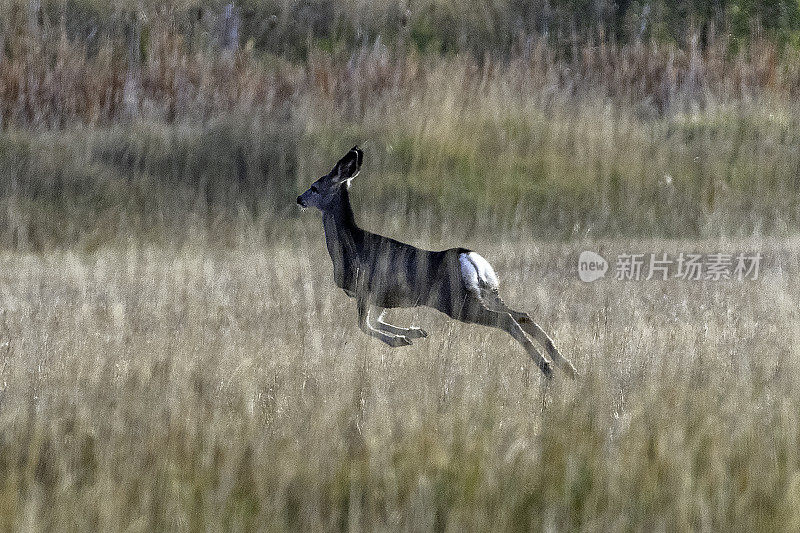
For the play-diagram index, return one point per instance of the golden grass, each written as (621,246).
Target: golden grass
(149,388)
(174,355)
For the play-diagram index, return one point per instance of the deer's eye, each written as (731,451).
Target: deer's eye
(314,188)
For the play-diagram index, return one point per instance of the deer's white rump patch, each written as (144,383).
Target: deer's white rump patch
(476,272)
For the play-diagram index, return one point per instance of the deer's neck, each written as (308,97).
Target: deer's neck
(343,239)
(341,212)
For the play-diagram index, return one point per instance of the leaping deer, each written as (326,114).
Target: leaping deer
(381,273)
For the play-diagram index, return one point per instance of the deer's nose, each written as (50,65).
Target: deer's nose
(300,201)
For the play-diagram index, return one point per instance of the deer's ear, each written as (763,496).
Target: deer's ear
(348,166)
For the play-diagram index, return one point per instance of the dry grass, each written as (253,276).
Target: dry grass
(149,388)
(174,354)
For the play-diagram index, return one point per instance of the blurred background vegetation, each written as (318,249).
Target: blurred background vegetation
(174,356)
(560,119)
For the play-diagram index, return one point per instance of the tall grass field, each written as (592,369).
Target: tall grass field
(175,355)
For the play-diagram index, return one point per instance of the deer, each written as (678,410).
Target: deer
(382,273)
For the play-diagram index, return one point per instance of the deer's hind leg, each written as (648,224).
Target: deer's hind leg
(475,311)
(411,333)
(533,329)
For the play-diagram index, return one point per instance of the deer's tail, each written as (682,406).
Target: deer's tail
(476,272)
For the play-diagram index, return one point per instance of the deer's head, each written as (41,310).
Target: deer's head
(325,190)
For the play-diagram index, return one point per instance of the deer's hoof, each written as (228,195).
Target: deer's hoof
(399,340)
(547,370)
(569,370)
(416,333)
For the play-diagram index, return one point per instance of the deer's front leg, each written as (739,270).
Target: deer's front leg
(363,322)
(411,333)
